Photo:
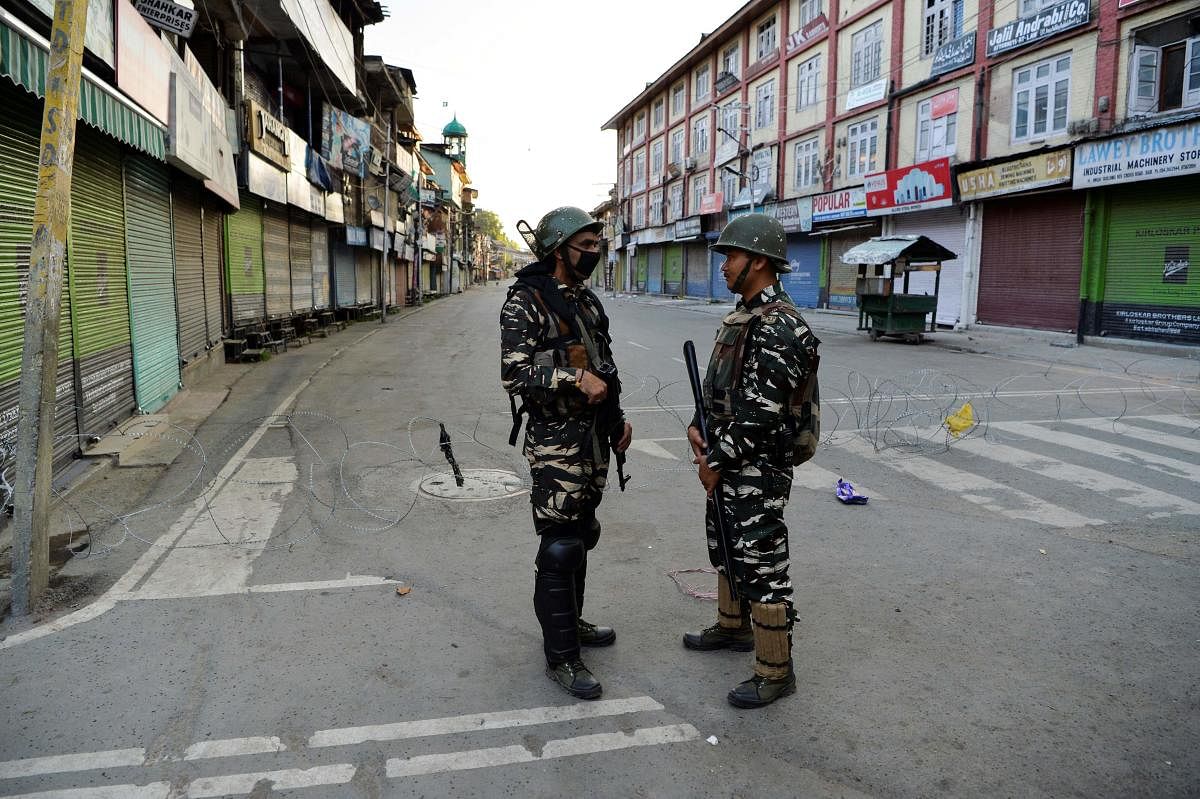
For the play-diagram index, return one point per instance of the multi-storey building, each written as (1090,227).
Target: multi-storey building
(1054,146)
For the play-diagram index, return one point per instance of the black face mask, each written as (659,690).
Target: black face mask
(586,264)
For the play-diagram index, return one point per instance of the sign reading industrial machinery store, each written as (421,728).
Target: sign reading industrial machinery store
(268,136)
(1161,153)
(812,30)
(1042,25)
(1023,174)
(910,188)
(954,54)
(168,16)
(872,92)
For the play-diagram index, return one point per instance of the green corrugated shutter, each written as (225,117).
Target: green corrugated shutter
(244,261)
(275,260)
(153,323)
(19,128)
(189,267)
(99,292)
(300,239)
(673,269)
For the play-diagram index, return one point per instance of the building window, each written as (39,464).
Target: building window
(677,146)
(677,95)
(766,39)
(943,22)
(639,171)
(764,104)
(808,78)
(731,124)
(699,189)
(935,137)
(808,163)
(729,185)
(639,212)
(866,49)
(639,127)
(1165,68)
(809,10)
(656,158)
(659,114)
(656,207)
(676,208)
(1029,7)
(700,136)
(702,83)
(1040,95)
(863,142)
(731,60)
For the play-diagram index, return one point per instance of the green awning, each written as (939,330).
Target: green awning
(26,63)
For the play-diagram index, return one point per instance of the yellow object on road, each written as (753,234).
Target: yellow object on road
(961,420)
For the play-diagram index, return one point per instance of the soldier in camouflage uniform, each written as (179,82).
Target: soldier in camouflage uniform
(555,355)
(762,362)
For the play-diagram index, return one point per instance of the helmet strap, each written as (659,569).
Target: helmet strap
(741,278)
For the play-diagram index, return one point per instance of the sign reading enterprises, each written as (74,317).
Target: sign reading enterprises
(1035,27)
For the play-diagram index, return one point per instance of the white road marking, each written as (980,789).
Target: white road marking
(650,448)
(810,475)
(350,581)
(1104,448)
(563,747)
(1121,428)
(233,747)
(1187,423)
(982,491)
(482,721)
(1117,488)
(155,790)
(283,780)
(83,761)
(639,346)
(678,360)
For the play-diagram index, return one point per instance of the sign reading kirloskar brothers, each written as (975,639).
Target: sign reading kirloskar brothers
(910,188)
(1035,27)
(1161,153)
(954,54)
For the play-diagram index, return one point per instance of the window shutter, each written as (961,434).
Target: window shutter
(1191,73)
(1143,80)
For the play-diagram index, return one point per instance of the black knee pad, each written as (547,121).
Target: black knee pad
(560,555)
(589,532)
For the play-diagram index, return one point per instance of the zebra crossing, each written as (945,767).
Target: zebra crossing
(639,721)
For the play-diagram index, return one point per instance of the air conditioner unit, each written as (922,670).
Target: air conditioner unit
(672,171)
(1083,127)
(689,164)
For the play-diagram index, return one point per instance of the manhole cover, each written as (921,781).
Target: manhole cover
(478,485)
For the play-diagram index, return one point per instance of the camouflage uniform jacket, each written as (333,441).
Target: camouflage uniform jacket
(750,411)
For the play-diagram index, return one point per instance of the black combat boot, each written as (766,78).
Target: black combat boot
(554,602)
(732,630)
(575,679)
(589,634)
(773,676)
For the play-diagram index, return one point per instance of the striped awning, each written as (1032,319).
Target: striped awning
(27,62)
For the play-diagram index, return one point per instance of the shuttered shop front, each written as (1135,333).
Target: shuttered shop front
(641,269)
(186,217)
(948,227)
(215,308)
(1150,290)
(803,283)
(341,257)
(300,238)
(19,130)
(843,277)
(99,287)
(673,269)
(319,249)
(244,261)
(364,276)
(276,256)
(1030,257)
(654,274)
(152,320)
(695,269)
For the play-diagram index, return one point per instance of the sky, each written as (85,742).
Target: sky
(533,82)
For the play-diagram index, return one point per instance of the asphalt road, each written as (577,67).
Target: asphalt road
(1014,613)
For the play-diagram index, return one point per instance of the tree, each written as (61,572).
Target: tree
(489,224)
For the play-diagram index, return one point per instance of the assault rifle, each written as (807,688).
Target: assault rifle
(724,541)
(609,416)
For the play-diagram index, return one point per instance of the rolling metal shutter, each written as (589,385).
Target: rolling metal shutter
(189,268)
(364,284)
(642,269)
(215,307)
(1030,258)
(654,272)
(275,260)
(342,259)
(696,271)
(673,270)
(243,261)
(302,269)
(19,130)
(319,246)
(151,270)
(843,277)
(948,227)
(99,288)
(1150,290)
(803,283)
(720,291)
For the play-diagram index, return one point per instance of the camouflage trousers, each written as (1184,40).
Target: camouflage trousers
(568,482)
(754,502)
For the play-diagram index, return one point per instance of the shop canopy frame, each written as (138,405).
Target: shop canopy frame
(881,310)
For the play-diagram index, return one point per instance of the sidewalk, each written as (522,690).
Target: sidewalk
(1161,360)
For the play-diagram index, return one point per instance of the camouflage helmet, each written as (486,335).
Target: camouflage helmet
(559,225)
(757,234)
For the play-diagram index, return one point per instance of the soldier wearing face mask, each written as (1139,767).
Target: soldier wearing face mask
(556,358)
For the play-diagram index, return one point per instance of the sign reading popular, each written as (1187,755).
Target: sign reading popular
(1161,153)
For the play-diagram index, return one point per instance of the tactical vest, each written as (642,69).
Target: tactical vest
(802,422)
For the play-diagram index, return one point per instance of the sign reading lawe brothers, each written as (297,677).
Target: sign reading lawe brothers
(1035,27)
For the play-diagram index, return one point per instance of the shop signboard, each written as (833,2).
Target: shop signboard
(143,63)
(1166,152)
(843,204)
(356,236)
(345,141)
(265,180)
(98,37)
(1022,174)
(712,203)
(171,17)
(1035,27)
(910,188)
(944,104)
(816,27)
(872,92)
(954,54)
(687,228)
(795,215)
(267,135)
